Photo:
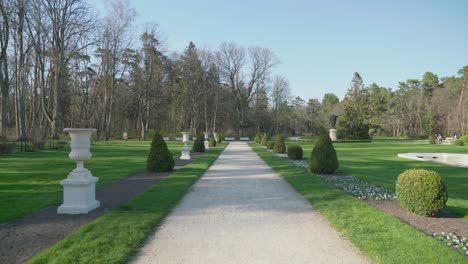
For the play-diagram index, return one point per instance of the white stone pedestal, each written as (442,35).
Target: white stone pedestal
(79,189)
(207,142)
(185,149)
(332,133)
(216,137)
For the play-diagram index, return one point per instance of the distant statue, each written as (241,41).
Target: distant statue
(125,136)
(333,121)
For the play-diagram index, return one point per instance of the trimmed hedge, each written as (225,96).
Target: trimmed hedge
(270,145)
(199,144)
(323,158)
(295,152)
(264,141)
(279,145)
(421,191)
(160,157)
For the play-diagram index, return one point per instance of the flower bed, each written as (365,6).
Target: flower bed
(457,242)
(354,186)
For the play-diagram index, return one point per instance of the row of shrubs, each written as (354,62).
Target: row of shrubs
(160,158)
(419,191)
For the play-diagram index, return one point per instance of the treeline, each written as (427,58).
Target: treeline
(61,66)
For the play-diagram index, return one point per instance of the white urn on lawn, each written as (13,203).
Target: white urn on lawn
(332,134)
(207,142)
(79,188)
(185,149)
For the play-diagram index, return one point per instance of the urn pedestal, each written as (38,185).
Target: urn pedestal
(185,149)
(332,133)
(79,188)
(207,142)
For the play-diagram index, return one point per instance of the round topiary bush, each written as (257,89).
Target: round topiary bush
(199,144)
(295,152)
(257,138)
(279,145)
(212,142)
(323,158)
(270,145)
(421,191)
(459,142)
(159,158)
(264,140)
(432,139)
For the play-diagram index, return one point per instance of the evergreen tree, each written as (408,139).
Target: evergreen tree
(323,158)
(199,144)
(354,124)
(264,141)
(160,159)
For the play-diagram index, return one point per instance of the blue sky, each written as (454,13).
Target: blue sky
(322,43)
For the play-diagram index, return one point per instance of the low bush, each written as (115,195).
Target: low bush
(160,159)
(257,138)
(323,158)
(459,142)
(432,139)
(212,142)
(6,147)
(279,145)
(199,144)
(421,191)
(295,152)
(270,144)
(264,141)
(464,138)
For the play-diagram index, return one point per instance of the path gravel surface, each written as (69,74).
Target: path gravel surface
(241,211)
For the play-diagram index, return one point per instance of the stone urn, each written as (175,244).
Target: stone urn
(79,188)
(332,134)
(207,142)
(185,149)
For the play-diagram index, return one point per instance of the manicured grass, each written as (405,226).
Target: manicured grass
(30,181)
(380,236)
(117,236)
(377,162)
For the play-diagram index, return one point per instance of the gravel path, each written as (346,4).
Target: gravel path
(241,211)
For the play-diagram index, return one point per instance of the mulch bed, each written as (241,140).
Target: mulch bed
(24,238)
(442,222)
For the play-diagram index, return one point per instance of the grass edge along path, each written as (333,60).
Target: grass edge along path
(115,237)
(380,236)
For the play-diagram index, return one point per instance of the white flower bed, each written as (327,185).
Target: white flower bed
(354,186)
(452,240)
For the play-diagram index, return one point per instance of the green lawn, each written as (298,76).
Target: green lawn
(30,181)
(380,236)
(377,162)
(115,237)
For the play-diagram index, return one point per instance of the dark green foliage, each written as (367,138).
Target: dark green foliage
(264,139)
(279,145)
(199,144)
(219,138)
(421,191)
(257,138)
(159,158)
(323,158)
(464,138)
(270,144)
(212,142)
(295,152)
(432,139)
(6,148)
(459,142)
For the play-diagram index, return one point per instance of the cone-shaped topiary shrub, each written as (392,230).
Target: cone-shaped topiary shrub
(279,145)
(159,158)
(257,138)
(421,191)
(212,142)
(295,152)
(270,144)
(432,139)
(199,144)
(323,158)
(264,141)
(219,138)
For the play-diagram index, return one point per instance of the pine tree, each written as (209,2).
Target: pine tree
(199,144)
(354,124)
(323,158)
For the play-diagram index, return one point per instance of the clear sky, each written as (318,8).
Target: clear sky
(322,43)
